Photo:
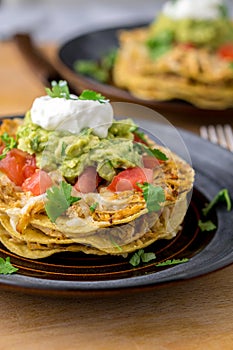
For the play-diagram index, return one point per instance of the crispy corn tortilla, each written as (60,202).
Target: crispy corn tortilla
(35,243)
(119,225)
(195,75)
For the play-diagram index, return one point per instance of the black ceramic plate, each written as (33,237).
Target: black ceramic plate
(79,274)
(94,45)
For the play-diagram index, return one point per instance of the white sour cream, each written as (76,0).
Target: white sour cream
(72,115)
(192,9)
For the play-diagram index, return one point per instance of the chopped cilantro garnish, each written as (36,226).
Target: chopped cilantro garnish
(59,89)
(97,69)
(58,200)
(63,149)
(108,60)
(141,256)
(153,195)
(206,225)
(92,95)
(172,262)
(9,143)
(6,267)
(135,130)
(221,196)
(34,143)
(93,207)
(155,152)
(116,245)
(223,10)
(160,44)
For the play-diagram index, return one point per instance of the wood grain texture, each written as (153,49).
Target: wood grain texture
(195,314)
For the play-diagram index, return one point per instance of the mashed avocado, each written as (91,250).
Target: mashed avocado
(72,153)
(207,33)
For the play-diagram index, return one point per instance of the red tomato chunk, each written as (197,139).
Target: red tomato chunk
(226,52)
(38,183)
(18,165)
(129,178)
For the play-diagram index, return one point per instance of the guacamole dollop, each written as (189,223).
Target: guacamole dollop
(72,153)
(210,33)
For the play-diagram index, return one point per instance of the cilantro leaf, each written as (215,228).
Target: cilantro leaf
(172,262)
(97,69)
(141,256)
(206,225)
(109,59)
(156,153)
(93,207)
(92,95)
(58,200)
(153,195)
(160,44)
(116,245)
(135,130)
(135,259)
(59,89)
(223,10)
(221,196)
(9,143)
(92,69)
(6,267)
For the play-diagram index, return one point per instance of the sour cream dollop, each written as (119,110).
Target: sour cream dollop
(72,115)
(193,9)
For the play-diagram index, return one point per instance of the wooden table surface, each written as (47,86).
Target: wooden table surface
(194,314)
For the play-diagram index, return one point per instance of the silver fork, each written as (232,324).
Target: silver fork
(218,134)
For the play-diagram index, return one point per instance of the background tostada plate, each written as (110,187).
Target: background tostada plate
(94,45)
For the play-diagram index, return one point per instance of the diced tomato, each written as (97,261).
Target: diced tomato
(128,179)
(150,162)
(38,183)
(2,148)
(18,165)
(187,45)
(226,52)
(88,181)
(137,138)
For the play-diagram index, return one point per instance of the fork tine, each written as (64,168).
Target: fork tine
(219,134)
(212,134)
(204,132)
(229,136)
(220,131)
